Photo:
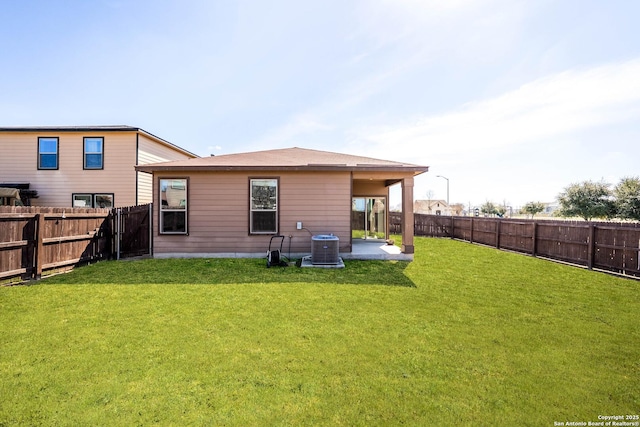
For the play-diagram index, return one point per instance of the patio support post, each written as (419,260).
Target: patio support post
(407,216)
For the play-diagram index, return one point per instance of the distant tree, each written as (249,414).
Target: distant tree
(488,208)
(533,208)
(429,197)
(627,194)
(501,210)
(587,200)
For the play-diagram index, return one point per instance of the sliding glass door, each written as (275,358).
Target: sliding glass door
(369,217)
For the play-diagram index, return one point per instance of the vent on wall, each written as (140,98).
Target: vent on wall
(325,249)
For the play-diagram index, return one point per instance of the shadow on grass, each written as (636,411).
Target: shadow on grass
(229,271)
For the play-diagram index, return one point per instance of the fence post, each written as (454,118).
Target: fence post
(534,238)
(592,246)
(150,229)
(471,232)
(118,232)
(37,274)
(498,224)
(452,225)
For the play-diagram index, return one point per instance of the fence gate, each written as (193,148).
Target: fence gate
(133,231)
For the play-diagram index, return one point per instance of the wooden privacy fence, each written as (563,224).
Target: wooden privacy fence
(133,225)
(607,246)
(36,239)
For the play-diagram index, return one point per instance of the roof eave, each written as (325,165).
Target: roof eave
(167,143)
(122,128)
(150,168)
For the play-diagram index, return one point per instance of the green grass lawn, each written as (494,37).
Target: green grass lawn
(464,335)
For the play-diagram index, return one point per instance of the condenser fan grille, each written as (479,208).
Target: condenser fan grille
(325,249)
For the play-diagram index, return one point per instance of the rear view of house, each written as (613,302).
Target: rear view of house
(82,166)
(231,205)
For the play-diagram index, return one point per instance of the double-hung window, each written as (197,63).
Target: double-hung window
(93,153)
(47,153)
(173,205)
(264,206)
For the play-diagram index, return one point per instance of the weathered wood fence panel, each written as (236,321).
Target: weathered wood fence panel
(606,246)
(462,227)
(617,247)
(484,232)
(71,238)
(135,230)
(17,244)
(563,241)
(436,227)
(35,239)
(516,236)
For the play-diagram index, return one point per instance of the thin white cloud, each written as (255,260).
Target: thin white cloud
(214,148)
(555,114)
(394,41)
(466,30)
(564,103)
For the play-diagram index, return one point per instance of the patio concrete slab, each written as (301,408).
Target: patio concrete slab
(376,250)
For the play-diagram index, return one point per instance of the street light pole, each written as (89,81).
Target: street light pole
(444,177)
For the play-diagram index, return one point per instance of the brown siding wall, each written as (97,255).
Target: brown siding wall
(151,151)
(145,188)
(19,164)
(219,212)
(370,188)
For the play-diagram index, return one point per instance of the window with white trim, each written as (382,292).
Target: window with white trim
(173,205)
(263,206)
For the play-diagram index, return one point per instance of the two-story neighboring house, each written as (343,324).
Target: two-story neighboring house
(83,166)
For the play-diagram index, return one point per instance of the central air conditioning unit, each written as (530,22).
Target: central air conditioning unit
(325,249)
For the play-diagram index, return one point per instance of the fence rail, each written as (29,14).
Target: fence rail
(606,246)
(34,240)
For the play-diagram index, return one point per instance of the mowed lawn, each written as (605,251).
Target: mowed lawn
(464,335)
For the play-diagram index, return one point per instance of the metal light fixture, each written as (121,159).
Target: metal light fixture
(444,177)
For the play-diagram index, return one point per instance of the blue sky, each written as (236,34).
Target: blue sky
(511,100)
